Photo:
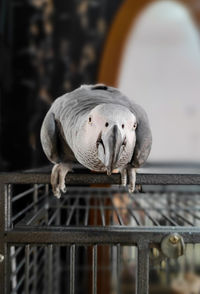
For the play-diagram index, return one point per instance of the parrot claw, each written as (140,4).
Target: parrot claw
(131,171)
(57,193)
(58,175)
(64,189)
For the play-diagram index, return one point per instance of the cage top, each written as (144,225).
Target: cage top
(152,174)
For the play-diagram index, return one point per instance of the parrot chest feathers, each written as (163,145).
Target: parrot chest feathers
(89,158)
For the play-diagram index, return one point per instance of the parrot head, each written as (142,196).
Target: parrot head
(111,130)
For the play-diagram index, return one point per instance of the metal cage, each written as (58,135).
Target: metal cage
(100,239)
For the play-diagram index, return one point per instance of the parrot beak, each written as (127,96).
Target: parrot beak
(109,148)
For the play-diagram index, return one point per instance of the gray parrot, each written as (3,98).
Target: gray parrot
(100,128)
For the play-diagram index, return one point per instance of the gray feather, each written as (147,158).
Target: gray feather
(53,141)
(69,111)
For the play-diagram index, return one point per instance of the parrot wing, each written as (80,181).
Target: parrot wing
(143,137)
(53,142)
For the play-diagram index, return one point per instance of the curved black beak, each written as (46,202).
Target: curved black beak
(109,149)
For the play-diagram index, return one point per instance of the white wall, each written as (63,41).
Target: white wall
(160,70)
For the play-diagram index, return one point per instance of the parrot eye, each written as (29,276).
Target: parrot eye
(106,124)
(123,126)
(90,119)
(135,126)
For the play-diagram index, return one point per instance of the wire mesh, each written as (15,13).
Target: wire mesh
(84,206)
(71,269)
(77,269)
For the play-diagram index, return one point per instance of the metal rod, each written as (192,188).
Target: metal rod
(15,269)
(154,221)
(25,193)
(168,218)
(32,217)
(118,268)
(54,216)
(13,266)
(27,264)
(3,245)
(98,235)
(102,211)
(94,268)
(57,271)
(142,285)
(8,197)
(15,252)
(116,211)
(72,268)
(46,189)
(37,216)
(8,270)
(28,207)
(86,211)
(131,212)
(50,269)
(146,178)
(73,207)
(184,219)
(35,193)
(19,282)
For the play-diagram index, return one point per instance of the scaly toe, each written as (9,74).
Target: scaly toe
(132,179)
(64,189)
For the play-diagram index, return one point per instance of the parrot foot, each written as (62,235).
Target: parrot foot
(131,171)
(58,175)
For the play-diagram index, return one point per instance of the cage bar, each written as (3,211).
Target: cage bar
(42,238)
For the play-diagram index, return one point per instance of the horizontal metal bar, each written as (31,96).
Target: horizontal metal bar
(98,178)
(135,209)
(99,235)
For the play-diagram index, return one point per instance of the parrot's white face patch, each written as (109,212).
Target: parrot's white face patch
(109,138)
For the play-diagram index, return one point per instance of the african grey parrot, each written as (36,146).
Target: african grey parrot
(100,128)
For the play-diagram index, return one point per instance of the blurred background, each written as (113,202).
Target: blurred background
(149,49)
(47,48)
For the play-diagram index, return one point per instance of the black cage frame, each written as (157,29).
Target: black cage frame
(141,236)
